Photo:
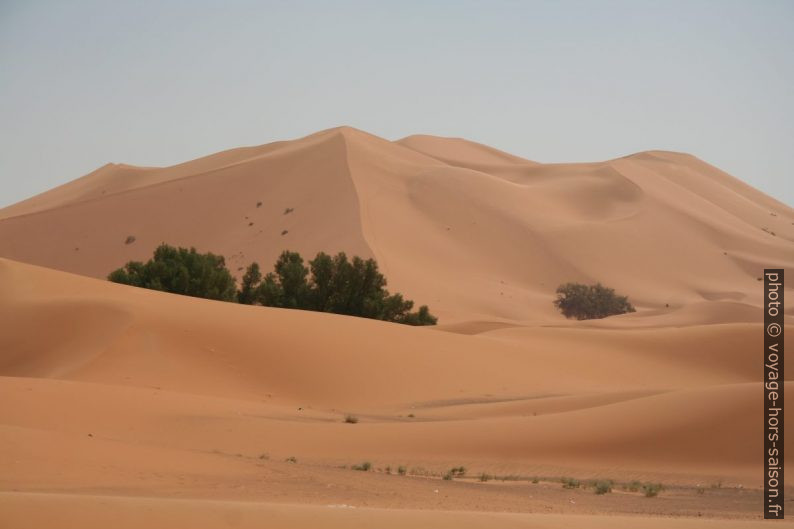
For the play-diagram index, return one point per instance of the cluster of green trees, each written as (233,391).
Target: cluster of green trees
(180,271)
(588,302)
(354,287)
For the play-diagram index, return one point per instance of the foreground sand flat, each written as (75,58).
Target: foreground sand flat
(29,511)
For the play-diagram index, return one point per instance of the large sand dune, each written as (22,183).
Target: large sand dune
(170,411)
(503,232)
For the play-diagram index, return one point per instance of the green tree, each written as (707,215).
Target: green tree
(292,278)
(354,287)
(180,271)
(587,302)
(252,278)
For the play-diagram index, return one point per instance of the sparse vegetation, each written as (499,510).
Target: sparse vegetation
(602,486)
(485,477)
(363,467)
(588,302)
(351,419)
(458,472)
(291,459)
(130,239)
(633,486)
(651,490)
(570,483)
(401,470)
(336,284)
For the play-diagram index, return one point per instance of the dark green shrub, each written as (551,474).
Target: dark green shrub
(354,287)
(587,302)
(180,271)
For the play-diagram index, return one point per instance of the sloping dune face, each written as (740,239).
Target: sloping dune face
(121,399)
(178,373)
(476,233)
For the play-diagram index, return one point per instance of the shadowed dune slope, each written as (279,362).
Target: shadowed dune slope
(665,228)
(169,373)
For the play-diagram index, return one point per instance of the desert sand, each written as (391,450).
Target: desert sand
(136,407)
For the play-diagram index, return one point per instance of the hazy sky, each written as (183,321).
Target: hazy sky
(155,83)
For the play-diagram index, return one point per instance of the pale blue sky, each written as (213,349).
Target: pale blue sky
(83,83)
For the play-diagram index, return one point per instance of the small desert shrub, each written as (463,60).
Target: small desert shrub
(351,419)
(447,476)
(388,469)
(363,467)
(265,455)
(588,302)
(401,470)
(570,483)
(130,239)
(291,459)
(651,489)
(602,486)
(485,477)
(535,480)
(634,486)
(458,472)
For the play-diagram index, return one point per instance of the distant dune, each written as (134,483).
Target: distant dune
(665,228)
(157,409)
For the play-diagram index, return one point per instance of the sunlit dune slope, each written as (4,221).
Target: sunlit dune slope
(158,375)
(476,233)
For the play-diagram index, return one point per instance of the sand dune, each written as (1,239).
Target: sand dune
(596,399)
(665,228)
(160,410)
